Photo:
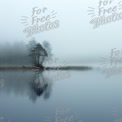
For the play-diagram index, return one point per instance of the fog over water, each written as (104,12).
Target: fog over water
(90,87)
(75,39)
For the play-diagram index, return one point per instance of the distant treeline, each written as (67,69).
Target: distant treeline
(18,53)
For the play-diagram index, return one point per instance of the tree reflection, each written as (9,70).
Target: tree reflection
(40,87)
(26,83)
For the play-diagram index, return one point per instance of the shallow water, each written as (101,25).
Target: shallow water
(65,96)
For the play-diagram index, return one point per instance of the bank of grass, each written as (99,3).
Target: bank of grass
(45,68)
(69,68)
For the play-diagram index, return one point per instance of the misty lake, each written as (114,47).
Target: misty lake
(75,96)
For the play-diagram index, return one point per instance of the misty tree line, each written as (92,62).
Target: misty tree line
(21,54)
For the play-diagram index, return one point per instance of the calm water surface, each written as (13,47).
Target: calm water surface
(66,96)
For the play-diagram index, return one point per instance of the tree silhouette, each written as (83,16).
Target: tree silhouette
(37,53)
(47,47)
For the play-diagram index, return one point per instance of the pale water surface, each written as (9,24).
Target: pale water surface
(75,96)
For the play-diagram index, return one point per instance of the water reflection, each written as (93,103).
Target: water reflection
(96,99)
(26,83)
(39,86)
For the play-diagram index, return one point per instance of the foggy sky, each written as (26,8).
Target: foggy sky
(74,39)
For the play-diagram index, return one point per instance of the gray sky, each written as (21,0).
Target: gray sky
(75,38)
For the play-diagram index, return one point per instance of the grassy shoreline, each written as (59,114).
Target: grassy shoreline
(45,68)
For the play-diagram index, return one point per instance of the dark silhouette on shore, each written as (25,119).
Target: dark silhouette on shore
(39,53)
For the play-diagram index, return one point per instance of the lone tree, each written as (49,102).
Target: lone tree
(37,53)
(48,49)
